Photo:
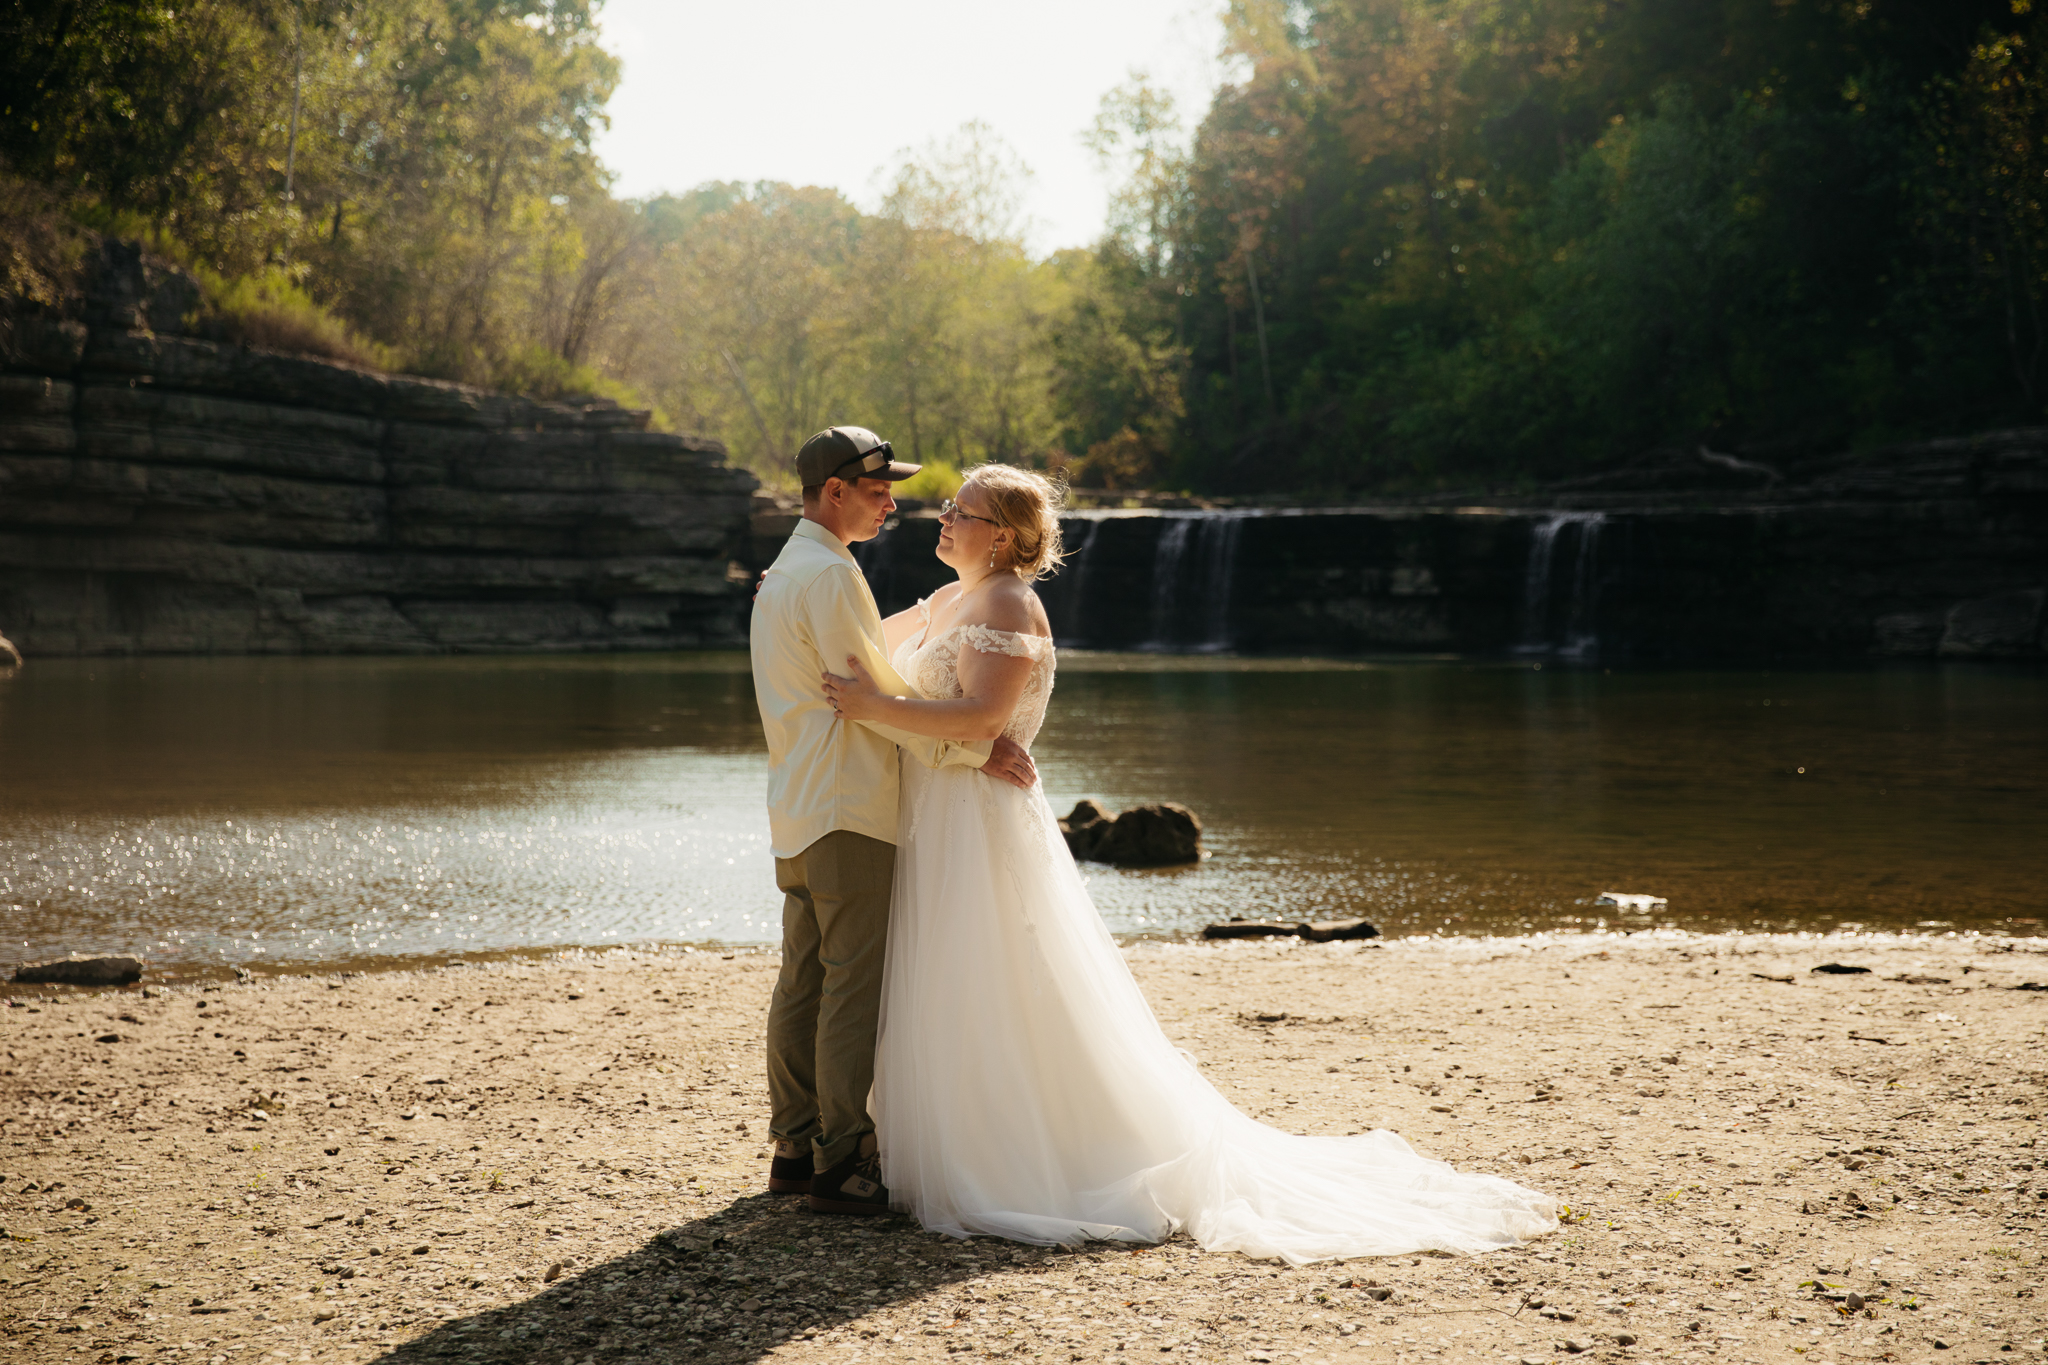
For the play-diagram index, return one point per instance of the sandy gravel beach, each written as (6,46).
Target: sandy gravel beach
(565,1161)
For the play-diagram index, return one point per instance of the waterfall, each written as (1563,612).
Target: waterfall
(1220,536)
(1066,603)
(1166,561)
(1536,582)
(1577,637)
(1194,567)
(1581,640)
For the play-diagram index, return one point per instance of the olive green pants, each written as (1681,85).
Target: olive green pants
(821,1024)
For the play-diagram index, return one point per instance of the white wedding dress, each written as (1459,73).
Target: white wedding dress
(1023,1088)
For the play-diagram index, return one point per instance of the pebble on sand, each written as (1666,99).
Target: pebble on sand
(641,1214)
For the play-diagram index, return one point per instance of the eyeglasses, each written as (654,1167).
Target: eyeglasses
(950,509)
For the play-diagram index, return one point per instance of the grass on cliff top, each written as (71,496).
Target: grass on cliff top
(48,239)
(538,372)
(266,308)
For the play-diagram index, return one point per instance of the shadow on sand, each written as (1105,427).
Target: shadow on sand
(732,1287)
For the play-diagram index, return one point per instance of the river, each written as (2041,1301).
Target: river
(354,812)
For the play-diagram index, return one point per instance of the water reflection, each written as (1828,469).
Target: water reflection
(1465,798)
(205,812)
(233,810)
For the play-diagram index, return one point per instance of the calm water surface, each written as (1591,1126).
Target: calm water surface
(208,812)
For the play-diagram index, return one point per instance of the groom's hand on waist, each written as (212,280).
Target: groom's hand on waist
(1008,762)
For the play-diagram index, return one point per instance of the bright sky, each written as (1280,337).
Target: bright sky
(826,92)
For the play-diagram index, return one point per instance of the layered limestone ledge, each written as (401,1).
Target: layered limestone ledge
(162,494)
(1932,550)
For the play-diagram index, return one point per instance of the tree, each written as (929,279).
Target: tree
(1984,197)
(1424,241)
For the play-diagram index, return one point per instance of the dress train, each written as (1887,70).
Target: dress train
(1024,1089)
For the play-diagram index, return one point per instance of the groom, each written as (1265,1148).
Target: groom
(832,822)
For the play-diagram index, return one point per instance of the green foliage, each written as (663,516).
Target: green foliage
(421,169)
(1982,195)
(410,183)
(1655,278)
(1116,370)
(1424,242)
(143,104)
(771,311)
(42,255)
(268,309)
(1413,243)
(535,369)
(935,480)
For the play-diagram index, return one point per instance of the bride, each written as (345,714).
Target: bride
(1023,1088)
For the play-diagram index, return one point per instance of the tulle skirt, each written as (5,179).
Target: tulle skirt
(1023,1088)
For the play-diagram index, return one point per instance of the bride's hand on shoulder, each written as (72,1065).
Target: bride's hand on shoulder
(855,697)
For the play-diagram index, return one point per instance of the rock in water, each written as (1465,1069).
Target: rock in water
(2005,626)
(1157,835)
(1084,827)
(1163,834)
(1837,969)
(1629,900)
(82,971)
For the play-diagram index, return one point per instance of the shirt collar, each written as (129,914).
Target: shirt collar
(810,530)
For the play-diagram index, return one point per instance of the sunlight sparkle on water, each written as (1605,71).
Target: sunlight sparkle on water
(204,813)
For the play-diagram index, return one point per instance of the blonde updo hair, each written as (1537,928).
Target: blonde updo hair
(1029,506)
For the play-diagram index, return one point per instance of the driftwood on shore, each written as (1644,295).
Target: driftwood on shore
(1321,931)
(79,970)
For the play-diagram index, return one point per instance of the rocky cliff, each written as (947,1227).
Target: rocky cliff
(161,493)
(1930,550)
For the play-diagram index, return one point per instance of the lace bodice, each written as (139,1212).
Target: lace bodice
(932,665)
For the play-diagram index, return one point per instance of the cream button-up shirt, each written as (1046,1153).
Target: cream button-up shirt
(824,773)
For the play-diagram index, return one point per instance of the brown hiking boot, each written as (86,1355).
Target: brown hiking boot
(854,1185)
(790,1171)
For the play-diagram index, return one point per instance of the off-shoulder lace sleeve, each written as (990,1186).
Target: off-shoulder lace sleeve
(924,611)
(1013,642)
